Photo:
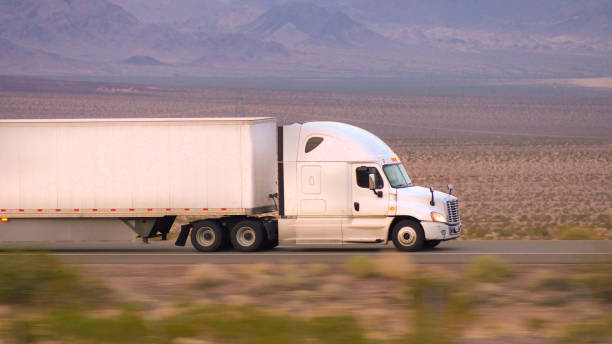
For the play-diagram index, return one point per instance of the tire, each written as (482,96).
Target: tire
(408,235)
(208,236)
(248,236)
(431,243)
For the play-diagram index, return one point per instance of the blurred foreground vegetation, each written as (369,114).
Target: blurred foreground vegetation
(45,301)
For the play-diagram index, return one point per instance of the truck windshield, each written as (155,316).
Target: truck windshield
(397,176)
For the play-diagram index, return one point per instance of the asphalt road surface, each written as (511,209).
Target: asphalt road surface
(453,252)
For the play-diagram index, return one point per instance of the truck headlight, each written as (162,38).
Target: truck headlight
(437,217)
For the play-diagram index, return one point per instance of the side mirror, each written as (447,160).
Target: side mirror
(450,189)
(372,181)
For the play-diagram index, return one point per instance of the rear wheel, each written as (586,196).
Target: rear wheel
(431,243)
(408,235)
(248,236)
(208,236)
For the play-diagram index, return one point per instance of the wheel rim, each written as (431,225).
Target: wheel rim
(245,236)
(206,236)
(407,236)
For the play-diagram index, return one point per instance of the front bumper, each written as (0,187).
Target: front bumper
(440,231)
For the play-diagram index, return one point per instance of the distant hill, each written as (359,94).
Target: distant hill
(61,26)
(318,24)
(99,32)
(143,61)
(518,38)
(22,60)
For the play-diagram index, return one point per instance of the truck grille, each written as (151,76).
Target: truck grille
(452,209)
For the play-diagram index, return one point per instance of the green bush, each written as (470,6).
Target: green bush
(537,233)
(600,281)
(442,309)
(535,323)
(576,233)
(241,325)
(488,269)
(39,278)
(361,267)
(587,332)
(71,326)
(474,231)
(548,281)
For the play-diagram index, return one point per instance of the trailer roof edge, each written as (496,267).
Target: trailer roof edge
(228,120)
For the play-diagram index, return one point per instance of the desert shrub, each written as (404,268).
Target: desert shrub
(535,323)
(331,291)
(441,309)
(537,232)
(548,281)
(506,232)
(242,325)
(586,332)
(73,326)
(206,276)
(576,233)
(599,281)
(476,232)
(553,300)
(604,220)
(293,279)
(394,265)
(284,278)
(39,278)
(257,326)
(488,269)
(361,267)
(317,270)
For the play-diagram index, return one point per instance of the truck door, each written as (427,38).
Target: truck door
(369,209)
(321,199)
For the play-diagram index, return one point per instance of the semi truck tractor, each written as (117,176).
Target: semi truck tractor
(240,182)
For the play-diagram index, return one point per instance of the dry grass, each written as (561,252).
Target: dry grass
(437,304)
(549,302)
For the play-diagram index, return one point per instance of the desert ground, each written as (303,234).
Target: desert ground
(529,164)
(386,299)
(525,165)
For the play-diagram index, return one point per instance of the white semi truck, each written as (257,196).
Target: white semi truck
(241,182)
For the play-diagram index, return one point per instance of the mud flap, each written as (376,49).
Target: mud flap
(271,227)
(182,238)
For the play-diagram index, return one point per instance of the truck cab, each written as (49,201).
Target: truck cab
(340,185)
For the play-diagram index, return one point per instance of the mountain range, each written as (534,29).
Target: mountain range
(519,38)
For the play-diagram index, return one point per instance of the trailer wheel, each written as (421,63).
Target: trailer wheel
(248,236)
(431,243)
(408,235)
(208,236)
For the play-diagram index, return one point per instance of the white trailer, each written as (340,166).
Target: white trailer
(240,181)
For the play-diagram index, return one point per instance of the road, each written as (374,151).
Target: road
(454,252)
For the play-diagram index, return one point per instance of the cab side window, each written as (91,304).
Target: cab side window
(312,143)
(362,173)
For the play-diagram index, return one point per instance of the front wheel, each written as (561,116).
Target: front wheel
(408,235)
(248,236)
